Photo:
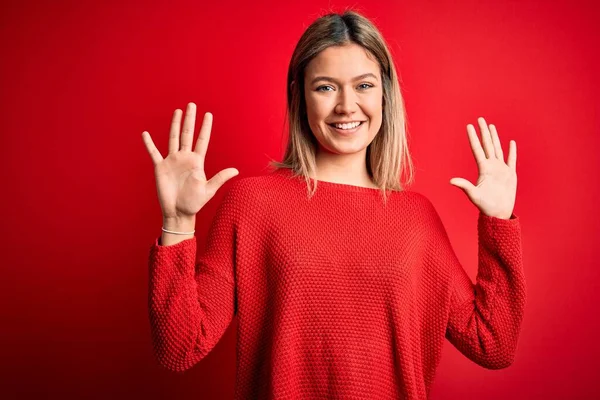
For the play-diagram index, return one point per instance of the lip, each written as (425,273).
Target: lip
(346,122)
(347,131)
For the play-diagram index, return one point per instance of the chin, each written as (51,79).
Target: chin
(343,148)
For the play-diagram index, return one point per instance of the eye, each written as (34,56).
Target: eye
(321,87)
(368,85)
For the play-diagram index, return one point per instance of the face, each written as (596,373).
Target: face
(337,89)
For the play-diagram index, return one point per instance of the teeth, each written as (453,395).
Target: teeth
(347,126)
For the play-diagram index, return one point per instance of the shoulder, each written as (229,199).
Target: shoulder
(255,190)
(418,201)
(251,199)
(422,210)
(253,185)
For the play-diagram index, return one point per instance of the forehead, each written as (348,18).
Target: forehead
(342,62)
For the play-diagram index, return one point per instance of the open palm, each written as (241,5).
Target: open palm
(496,188)
(180,179)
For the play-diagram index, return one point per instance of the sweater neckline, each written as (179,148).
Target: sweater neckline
(334,186)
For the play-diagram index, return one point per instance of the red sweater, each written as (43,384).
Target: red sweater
(337,297)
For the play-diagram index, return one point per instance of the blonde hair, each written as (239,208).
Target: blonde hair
(388,157)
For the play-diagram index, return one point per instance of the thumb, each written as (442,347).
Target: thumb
(220,178)
(463,184)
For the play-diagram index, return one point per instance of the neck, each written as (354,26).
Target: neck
(348,169)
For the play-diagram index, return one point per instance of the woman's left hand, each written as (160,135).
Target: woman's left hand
(496,188)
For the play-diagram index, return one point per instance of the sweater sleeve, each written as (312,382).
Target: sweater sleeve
(485,318)
(191,303)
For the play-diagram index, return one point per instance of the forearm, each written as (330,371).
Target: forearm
(190,307)
(486,317)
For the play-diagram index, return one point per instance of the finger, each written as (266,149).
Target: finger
(460,182)
(174,132)
(204,136)
(152,150)
(187,134)
(219,179)
(496,142)
(512,155)
(463,184)
(475,144)
(486,138)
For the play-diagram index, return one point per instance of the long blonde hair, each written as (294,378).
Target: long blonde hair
(388,157)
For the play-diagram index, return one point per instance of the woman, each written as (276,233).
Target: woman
(344,283)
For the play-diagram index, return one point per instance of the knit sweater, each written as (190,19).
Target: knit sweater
(339,296)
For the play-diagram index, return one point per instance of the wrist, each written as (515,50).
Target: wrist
(179,229)
(185,224)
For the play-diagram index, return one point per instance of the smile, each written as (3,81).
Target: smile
(346,128)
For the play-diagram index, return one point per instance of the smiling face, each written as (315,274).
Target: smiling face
(342,85)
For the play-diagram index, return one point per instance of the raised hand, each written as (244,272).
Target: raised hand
(496,187)
(180,180)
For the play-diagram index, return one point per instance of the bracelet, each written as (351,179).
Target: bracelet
(178,233)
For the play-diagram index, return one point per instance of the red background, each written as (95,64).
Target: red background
(81,82)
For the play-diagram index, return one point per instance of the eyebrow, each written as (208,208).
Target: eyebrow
(330,79)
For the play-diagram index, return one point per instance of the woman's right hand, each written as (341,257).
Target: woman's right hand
(180,180)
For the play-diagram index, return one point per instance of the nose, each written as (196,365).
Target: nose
(347,102)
